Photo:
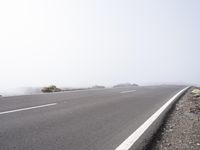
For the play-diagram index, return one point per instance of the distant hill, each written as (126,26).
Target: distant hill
(125,85)
(98,87)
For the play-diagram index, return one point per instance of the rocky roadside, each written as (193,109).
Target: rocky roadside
(181,129)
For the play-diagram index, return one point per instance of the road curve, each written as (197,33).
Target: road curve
(80,120)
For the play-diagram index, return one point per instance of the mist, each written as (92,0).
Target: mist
(98,42)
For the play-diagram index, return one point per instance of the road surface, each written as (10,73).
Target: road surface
(98,119)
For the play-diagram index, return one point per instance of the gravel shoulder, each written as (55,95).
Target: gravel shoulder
(181,129)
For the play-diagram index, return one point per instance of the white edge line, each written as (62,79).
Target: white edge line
(128,91)
(28,108)
(129,142)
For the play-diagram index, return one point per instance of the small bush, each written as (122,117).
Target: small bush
(50,89)
(196,92)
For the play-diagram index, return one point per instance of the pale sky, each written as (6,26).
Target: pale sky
(104,42)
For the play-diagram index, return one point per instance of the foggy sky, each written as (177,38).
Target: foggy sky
(104,42)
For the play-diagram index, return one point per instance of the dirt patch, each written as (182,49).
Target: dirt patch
(181,129)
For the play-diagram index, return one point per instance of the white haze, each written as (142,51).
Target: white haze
(82,43)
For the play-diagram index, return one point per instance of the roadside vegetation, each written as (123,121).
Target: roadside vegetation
(51,89)
(196,93)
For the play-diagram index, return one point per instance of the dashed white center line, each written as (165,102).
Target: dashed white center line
(28,108)
(128,91)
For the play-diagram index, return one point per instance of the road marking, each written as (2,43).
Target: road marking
(129,142)
(127,91)
(28,108)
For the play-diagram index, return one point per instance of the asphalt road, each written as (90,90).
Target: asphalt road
(80,120)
